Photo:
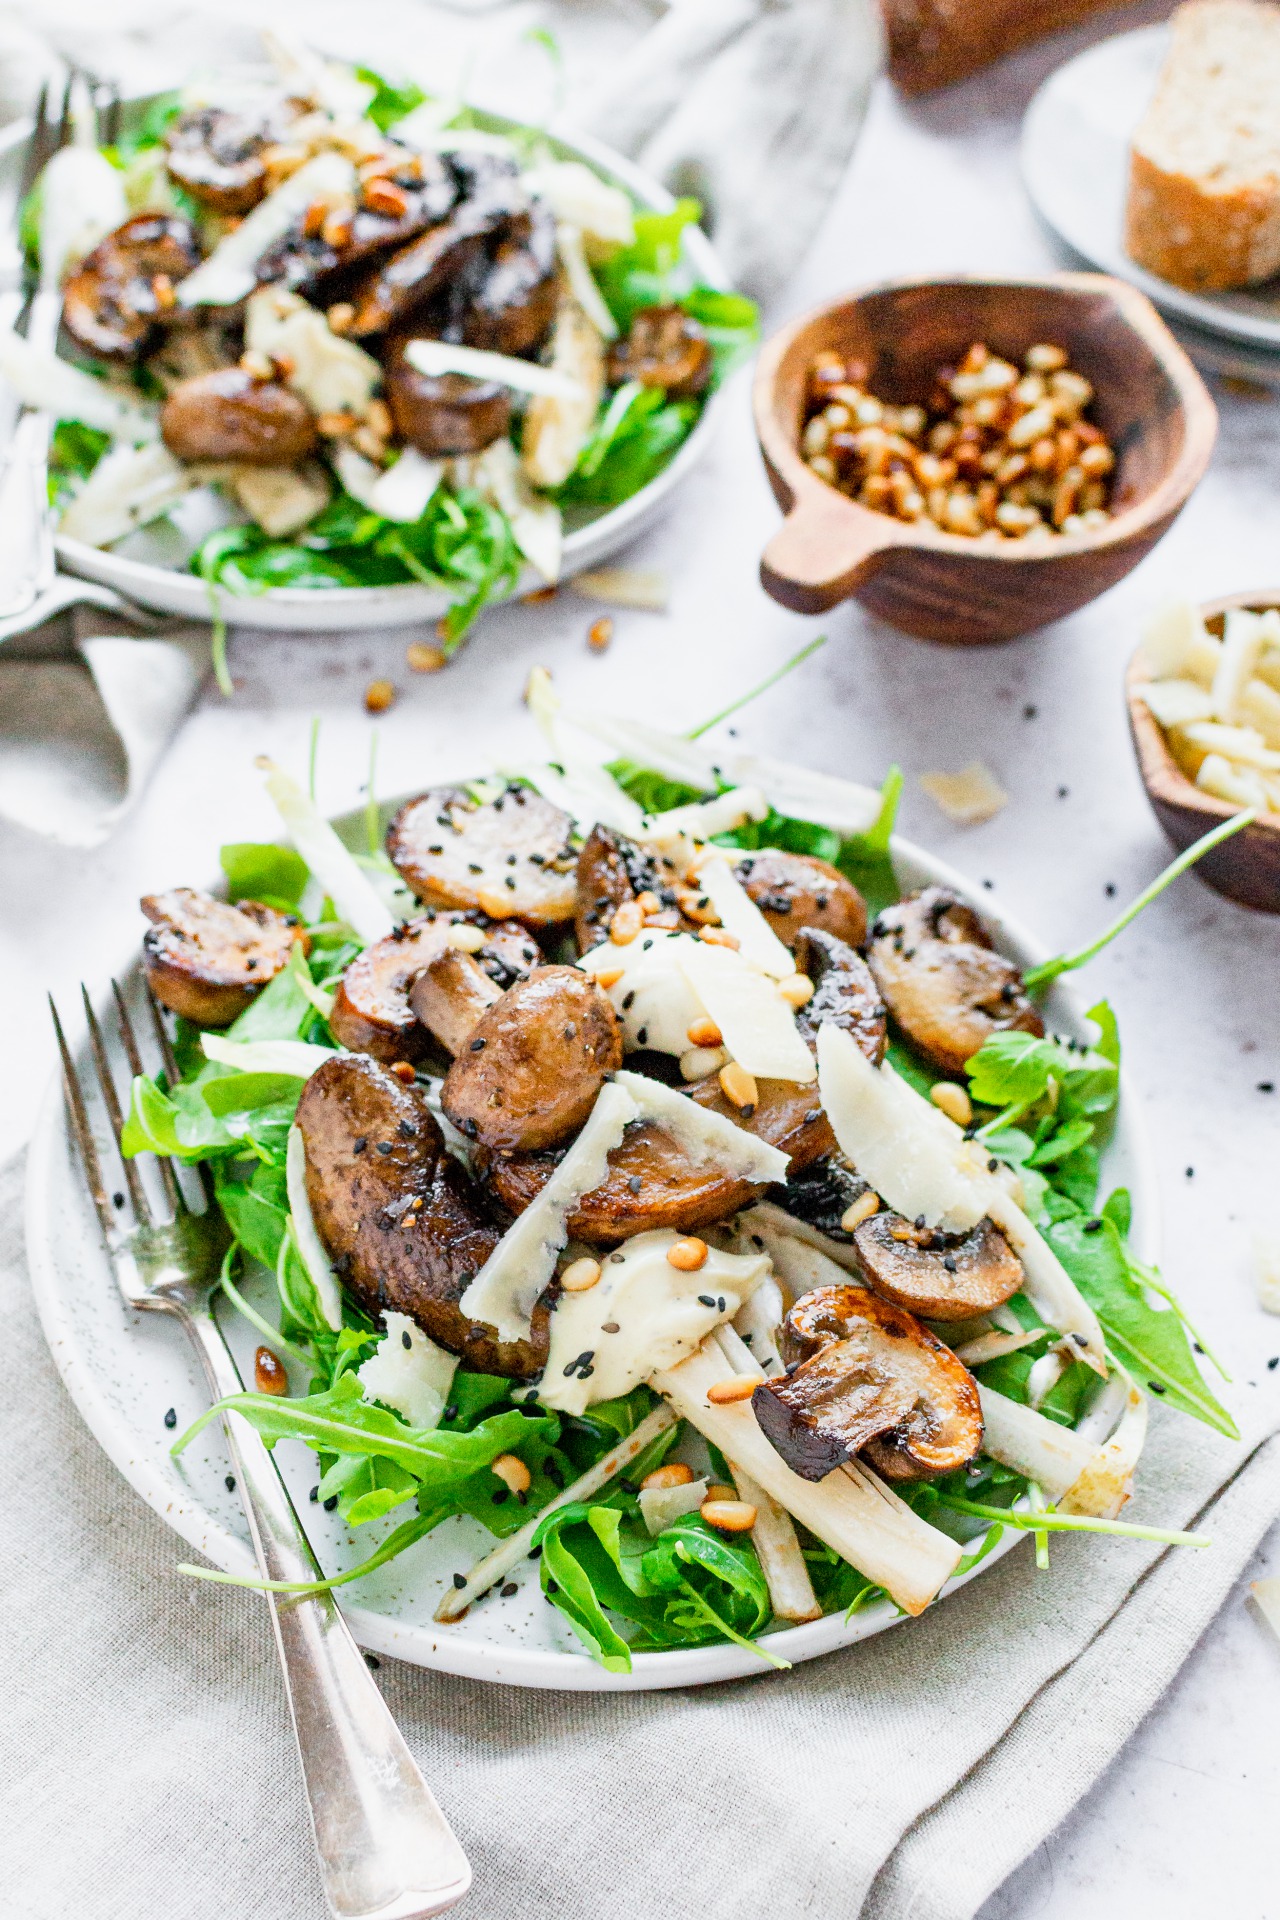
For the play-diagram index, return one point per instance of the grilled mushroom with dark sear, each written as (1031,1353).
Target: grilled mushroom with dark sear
(208,960)
(613,869)
(795,890)
(491,205)
(665,347)
(510,856)
(371,1011)
(515,302)
(123,291)
(947,988)
(822,1193)
(404,1226)
(866,1377)
(451,996)
(228,415)
(443,413)
(530,1072)
(217,154)
(941,1276)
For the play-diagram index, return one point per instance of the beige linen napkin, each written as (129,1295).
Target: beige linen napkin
(148,1772)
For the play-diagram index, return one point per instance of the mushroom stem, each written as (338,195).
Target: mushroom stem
(773,1535)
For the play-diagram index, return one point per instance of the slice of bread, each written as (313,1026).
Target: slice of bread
(1204,174)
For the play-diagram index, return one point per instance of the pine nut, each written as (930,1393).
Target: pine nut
(648,901)
(424,659)
(599,634)
(688,1255)
(384,196)
(340,316)
(334,425)
(731,1516)
(626,923)
(796,989)
(704,1033)
(717,937)
(162,288)
(738,1086)
(256,364)
(466,937)
(269,1375)
(1044,359)
(859,1210)
(740,1386)
(404,1073)
(718,1491)
(609,976)
(581,1276)
(512,1471)
(952,1099)
(674,1474)
(378,696)
(698,1062)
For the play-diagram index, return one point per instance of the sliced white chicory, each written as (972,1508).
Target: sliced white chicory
(310,1246)
(350,890)
(434,357)
(228,274)
(296,1057)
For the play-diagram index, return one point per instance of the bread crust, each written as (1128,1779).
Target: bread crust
(1206,240)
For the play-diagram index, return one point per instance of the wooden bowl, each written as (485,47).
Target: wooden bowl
(1149,401)
(1247,866)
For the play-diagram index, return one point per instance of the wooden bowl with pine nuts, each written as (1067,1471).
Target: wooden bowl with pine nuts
(1246,868)
(1146,404)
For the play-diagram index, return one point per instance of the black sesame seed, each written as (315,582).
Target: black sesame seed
(1029,712)
(450,1413)
(1110,889)
(477,1046)
(511,859)
(1266,1086)
(117,1199)
(407,1130)
(536,1554)
(642,1036)
(1191,1173)
(721,1303)
(314,1494)
(507,1591)
(1063,792)
(231,1483)
(635,1183)
(459,1580)
(383,1147)
(988,884)
(406,1343)
(821,902)
(791,1367)
(436,849)
(706,1300)
(1156,1387)
(570,1370)
(330,1503)
(510,881)
(948,1262)
(552,1587)
(992,1165)
(919,1222)
(503,1493)
(171,1418)
(1092,1226)
(1273,1363)
(360,1142)
(627,1000)
(1081,1339)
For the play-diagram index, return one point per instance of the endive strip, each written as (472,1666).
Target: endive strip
(773,1535)
(310,1246)
(582,282)
(1054,1457)
(573,780)
(50,385)
(229,273)
(434,357)
(352,894)
(767,1219)
(852,1511)
(1107,1482)
(297,1057)
(497,1565)
(921,1163)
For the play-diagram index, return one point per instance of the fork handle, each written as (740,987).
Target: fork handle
(385,1848)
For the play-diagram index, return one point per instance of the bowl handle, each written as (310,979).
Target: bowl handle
(822,553)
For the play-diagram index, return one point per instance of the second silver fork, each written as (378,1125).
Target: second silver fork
(385,1850)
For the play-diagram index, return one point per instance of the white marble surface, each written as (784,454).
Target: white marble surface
(1176,1822)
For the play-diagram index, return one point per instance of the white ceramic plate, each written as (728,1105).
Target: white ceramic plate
(124,1370)
(150,566)
(1075,162)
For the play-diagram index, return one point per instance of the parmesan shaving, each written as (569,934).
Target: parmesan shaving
(434,357)
(1267,1595)
(576,194)
(757,1025)
(1173,703)
(1242,643)
(641,587)
(739,915)
(409,1373)
(1266,1259)
(331,374)
(968,797)
(708,1138)
(229,272)
(661,1507)
(129,488)
(508,1285)
(1176,644)
(281,500)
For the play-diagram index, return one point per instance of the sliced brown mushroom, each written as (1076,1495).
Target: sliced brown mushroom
(515,303)
(401,194)
(443,413)
(451,996)
(613,869)
(822,1193)
(796,890)
(865,1375)
(941,1276)
(533,1065)
(947,988)
(217,154)
(208,960)
(371,1011)
(228,415)
(404,1226)
(511,856)
(665,347)
(491,204)
(122,291)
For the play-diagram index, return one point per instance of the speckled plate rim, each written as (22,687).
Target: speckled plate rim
(53,1190)
(327,610)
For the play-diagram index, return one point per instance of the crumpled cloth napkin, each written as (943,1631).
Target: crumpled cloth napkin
(754,106)
(148,1771)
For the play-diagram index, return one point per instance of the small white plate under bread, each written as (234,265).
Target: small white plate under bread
(1075,163)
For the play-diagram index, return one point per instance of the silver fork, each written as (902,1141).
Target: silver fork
(386,1851)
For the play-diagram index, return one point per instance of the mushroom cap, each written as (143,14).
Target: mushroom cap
(443,413)
(208,960)
(511,856)
(795,890)
(866,1371)
(613,869)
(216,153)
(228,415)
(942,1276)
(946,987)
(110,305)
(371,1010)
(665,347)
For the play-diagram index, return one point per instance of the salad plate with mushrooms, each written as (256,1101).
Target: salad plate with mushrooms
(674,1227)
(335,354)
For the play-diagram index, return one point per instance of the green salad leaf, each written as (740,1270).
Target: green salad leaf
(637,433)
(272,874)
(392,99)
(74,452)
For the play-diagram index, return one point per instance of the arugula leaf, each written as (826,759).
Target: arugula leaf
(74,452)
(257,1212)
(391,100)
(570,1587)
(688,1561)
(272,874)
(631,444)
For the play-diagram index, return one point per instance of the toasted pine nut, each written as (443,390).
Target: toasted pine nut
(697,1062)
(424,659)
(512,1471)
(704,1033)
(336,230)
(340,316)
(1045,359)
(466,936)
(674,1474)
(648,901)
(796,989)
(859,1210)
(334,425)
(377,417)
(626,923)
(739,1386)
(403,1071)
(718,1491)
(738,1086)
(688,1255)
(951,1098)
(269,1375)
(314,218)
(609,976)
(731,1516)
(162,288)
(378,696)
(384,196)
(600,633)
(717,937)
(256,364)
(581,1275)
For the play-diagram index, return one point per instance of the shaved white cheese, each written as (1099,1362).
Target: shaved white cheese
(358,475)
(281,500)
(1175,702)
(404,491)
(968,797)
(1239,744)
(739,915)
(50,385)
(579,196)
(310,1246)
(642,587)
(297,1057)
(1242,642)
(797,1262)
(707,1138)
(1240,785)
(352,893)
(535,521)
(229,272)
(434,357)
(409,1373)
(1107,1482)
(331,374)
(129,488)
(557,426)
(1266,1594)
(703,819)
(82,200)
(661,1507)
(653,995)
(1266,1268)
(1259,708)
(506,1289)
(757,1025)
(766,1215)
(581,280)
(660,1312)
(1176,643)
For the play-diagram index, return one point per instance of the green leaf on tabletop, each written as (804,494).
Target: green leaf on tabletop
(391,101)
(257,871)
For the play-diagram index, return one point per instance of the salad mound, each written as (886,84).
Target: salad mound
(333,333)
(640,1175)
